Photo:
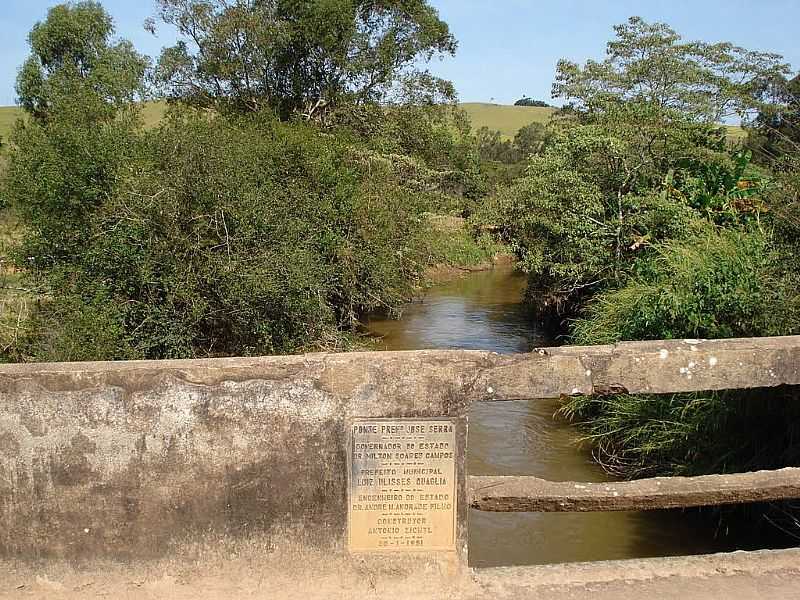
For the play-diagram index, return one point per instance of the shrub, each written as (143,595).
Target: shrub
(691,434)
(720,284)
(215,236)
(724,283)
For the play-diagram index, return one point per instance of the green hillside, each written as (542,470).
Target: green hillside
(505,119)
(735,133)
(151,113)
(8,114)
(508,120)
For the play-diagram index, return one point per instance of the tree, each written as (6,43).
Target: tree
(301,56)
(529,140)
(80,88)
(609,186)
(492,146)
(525,101)
(72,54)
(532,138)
(650,62)
(641,148)
(775,131)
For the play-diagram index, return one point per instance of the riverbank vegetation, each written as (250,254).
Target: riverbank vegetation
(262,213)
(641,219)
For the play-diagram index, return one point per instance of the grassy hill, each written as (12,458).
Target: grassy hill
(508,120)
(8,114)
(151,113)
(505,119)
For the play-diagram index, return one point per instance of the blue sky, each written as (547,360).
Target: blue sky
(507,47)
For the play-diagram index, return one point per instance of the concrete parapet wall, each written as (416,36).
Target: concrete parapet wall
(124,459)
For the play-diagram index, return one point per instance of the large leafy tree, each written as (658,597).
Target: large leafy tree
(650,62)
(639,159)
(79,87)
(775,133)
(591,203)
(73,54)
(301,55)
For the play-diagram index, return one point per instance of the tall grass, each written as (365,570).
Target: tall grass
(691,434)
(721,284)
(452,242)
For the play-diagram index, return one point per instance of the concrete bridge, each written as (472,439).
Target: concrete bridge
(338,475)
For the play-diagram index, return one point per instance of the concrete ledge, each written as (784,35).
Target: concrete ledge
(251,570)
(134,459)
(531,494)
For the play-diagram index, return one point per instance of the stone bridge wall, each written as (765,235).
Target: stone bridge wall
(126,459)
(129,459)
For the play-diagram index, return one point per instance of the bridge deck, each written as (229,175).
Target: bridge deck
(767,574)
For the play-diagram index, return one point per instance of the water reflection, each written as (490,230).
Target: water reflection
(484,311)
(481,311)
(523,438)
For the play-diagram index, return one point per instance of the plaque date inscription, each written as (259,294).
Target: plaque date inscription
(402,488)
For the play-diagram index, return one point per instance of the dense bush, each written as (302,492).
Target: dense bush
(493,148)
(691,434)
(269,220)
(60,171)
(429,147)
(209,236)
(719,284)
(595,199)
(529,140)
(723,282)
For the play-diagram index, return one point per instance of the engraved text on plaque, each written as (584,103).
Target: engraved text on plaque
(402,489)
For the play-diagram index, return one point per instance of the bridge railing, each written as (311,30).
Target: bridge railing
(660,367)
(153,458)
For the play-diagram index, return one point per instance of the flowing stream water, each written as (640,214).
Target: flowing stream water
(484,311)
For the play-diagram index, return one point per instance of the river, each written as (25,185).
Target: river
(484,311)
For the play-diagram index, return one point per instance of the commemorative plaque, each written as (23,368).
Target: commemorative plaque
(402,488)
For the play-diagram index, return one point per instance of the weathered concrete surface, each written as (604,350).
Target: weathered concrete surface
(652,367)
(233,571)
(741,575)
(531,494)
(126,459)
(250,572)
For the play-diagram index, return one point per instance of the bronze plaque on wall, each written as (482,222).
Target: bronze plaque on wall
(402,487)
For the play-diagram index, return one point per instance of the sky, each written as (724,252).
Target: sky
(507,48)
